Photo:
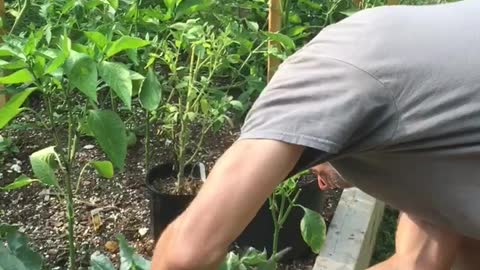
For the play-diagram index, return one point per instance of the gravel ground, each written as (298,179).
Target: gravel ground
(118,205)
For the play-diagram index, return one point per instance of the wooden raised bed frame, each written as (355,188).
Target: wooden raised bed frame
(352,233)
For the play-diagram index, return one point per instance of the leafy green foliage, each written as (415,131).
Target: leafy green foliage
(20,76)
(251,259)
(129,259)
(15,254)
(81,71)
(42,163)
(110,133)
(151,92)
(12,108)
(313,229)
(125,43)
(117,76)
(103,168)
(20,182)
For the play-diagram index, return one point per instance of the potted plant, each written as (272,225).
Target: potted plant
(192,109)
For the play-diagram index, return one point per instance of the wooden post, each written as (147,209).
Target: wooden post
(393,2)
(358,3)
(3,98)
(274,25)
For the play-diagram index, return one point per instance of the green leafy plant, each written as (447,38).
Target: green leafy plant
(15,253)
(63,73)
(282,201)
(193,107)
(129,260)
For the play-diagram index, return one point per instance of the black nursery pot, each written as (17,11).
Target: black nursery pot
(164,208)
(259,233)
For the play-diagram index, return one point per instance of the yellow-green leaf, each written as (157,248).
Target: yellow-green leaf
(125,43)
(20,76)
(12,108)
(104,168)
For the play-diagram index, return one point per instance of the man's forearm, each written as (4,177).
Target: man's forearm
(237,187)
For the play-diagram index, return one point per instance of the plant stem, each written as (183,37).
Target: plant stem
(147,141)
(112,102)
(68,186)
(80,177)
(289,208)
(276,227)
(20,17)
(52,122)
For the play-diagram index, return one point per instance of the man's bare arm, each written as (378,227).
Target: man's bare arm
(238,185)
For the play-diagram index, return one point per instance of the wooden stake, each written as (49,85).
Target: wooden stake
(393,2)
(3,98)
(274,25)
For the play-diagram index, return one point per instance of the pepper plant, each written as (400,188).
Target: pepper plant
(281,202)
(69,76)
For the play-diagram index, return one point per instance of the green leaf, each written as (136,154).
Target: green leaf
(103,168)
(170,4)
(55,64)
(253,26)
(189,7)
(99,261)
(11,109)
(82,73)
(151,93)
(16,64)
(296,30)
(30,259)
(285,40)
(8,261)
(109,130)
(97,38)
(141,263)
(125,43)
(65,45)
(117,76)
(350,12)
(204,106)
(313,229)
(126,253)
(20,182)
(113,4)
(42,167)
(237,105)
(21,76)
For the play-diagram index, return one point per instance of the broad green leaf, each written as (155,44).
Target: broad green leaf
(141,263)
(313,229)
(237,105)
(65,45)
(151,92)
(126,253)
(11,109)
(125,43)
(254,257)
(39,66)
(253,26)
(103,168)
(8,261)
(350,12)
(97,38)
(296,30)
(204,106)
(285,40)
(30,259)
(55,64)
(99,261)
(20,76)
(189,7)
(18,64)
(41,162)
(117,76)
(81,71)
(113,4)
(170,4)
(19,183)
(109,130)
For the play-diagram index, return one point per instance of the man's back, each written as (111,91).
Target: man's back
(408,78)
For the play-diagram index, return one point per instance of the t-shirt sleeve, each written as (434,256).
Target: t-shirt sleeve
(322,103)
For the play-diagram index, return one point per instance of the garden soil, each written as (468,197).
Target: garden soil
(103,207)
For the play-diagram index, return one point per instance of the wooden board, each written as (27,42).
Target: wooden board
(352,233)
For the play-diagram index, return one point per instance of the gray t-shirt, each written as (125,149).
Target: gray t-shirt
(391,97)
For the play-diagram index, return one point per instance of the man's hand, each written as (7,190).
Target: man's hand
(328,177)
(238,185)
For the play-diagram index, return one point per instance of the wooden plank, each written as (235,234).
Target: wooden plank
(352,233)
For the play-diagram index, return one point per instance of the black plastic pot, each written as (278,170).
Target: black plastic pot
(164,208)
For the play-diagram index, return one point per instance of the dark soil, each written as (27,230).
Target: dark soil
(103,208)
(169,186)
